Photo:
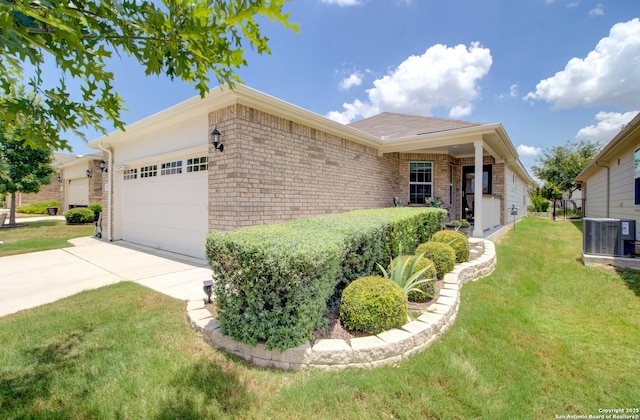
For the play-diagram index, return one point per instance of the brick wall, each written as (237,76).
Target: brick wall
(273,170)
(48,192)
(95,182)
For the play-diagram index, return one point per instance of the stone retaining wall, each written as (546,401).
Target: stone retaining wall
(389,347)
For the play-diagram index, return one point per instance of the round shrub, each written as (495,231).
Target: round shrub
(373,305)
(442,255)
(456,240)
(79,215)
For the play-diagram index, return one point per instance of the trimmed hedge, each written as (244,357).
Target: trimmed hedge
(373,304)
(39,207)
(456,240)
(79,215)
(273,283)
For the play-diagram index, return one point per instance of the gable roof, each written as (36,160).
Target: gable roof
(393,125)
(629,135)
(387,132)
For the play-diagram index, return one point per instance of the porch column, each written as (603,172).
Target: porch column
(477,188)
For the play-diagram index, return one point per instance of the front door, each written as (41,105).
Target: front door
(468,187)
(468,175)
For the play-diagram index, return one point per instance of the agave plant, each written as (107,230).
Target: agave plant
(401,272)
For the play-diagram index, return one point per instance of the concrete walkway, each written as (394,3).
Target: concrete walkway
(33,279)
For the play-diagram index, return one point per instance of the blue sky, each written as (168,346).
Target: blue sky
(551,71)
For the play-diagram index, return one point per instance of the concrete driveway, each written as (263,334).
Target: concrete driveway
(33,279)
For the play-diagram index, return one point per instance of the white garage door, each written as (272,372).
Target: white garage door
(78,192)
(165,208)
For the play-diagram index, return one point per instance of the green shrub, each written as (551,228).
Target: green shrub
(373,304)
(539,203)
(38,208)
(96,208)
(274,283)
(79,215)
(458,242)
(414,274)
(442,255)
(425,290)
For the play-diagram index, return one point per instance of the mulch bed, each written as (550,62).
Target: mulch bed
(334,328)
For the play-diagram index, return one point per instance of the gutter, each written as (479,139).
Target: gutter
(608,193)
(109,184)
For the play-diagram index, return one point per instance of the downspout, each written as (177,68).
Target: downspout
(109,187)
(608,186)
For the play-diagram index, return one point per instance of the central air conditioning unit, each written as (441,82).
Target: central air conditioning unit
(611,237)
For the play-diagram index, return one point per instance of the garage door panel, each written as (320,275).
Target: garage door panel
(78,192)
(167,212)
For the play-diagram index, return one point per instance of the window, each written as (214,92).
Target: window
(197,164)
(420,181)
(636,176)
(171,168)
(148,171)
(130,173)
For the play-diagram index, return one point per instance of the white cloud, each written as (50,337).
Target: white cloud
(607,76)
(608,125)
(342,3)
(597,11)
(441,77)
(524,150)
(354,79)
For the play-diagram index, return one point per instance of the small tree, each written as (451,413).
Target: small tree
(22,169)
(559,166)
(188,40)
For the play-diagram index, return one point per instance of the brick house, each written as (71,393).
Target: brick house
(169,185)
(81,181)
(72,185)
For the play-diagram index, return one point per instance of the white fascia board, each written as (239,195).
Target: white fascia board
(221,97)
(81,160)
(439,139)
(631,133)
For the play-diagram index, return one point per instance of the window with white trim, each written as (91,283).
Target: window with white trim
(420,181)
(131,173)
(171,168)
(197,164)
(148,171)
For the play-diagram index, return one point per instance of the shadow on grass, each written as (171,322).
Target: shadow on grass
(224,393)
(631,278)
(21,391)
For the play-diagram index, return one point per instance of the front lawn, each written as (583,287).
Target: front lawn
(542,336)
(40,236)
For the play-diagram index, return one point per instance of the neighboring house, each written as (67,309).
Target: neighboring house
(81,180)
(77,183)
(48,192)
(611,181)
(169,185)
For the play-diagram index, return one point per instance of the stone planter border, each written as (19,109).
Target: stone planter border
(389,347)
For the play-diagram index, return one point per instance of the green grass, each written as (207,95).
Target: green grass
(40,236)
(542,336)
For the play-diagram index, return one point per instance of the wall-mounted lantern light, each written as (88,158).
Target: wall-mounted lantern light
(59,178)
(88,172)
(215,140)
(103,166)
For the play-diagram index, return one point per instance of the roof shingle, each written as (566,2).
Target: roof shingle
(394,125)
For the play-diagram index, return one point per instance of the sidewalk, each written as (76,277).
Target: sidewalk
(33,279)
